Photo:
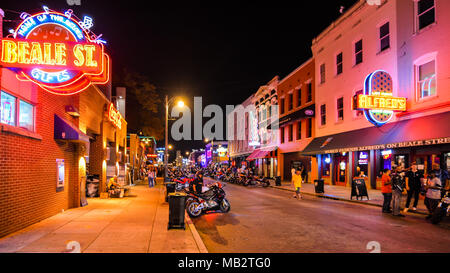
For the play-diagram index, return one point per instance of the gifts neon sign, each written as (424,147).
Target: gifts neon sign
(57,51)
(377,102)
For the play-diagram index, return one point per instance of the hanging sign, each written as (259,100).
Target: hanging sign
(114,116)
(377,102)
(56,51)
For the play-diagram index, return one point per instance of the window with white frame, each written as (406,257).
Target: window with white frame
(385,42)
(358,52)
(16,112)
(340,108)
(339,67)
(426,79)
(323,115)
(322,73)
(425,13)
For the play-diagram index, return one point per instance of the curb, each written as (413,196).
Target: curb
(340,199)
(198,240)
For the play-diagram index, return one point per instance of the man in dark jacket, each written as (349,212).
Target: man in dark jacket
(398,185)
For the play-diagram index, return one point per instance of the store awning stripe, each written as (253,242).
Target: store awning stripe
(429,130)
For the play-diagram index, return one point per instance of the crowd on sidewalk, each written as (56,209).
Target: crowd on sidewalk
(415,183)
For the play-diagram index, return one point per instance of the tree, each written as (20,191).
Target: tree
(144,105)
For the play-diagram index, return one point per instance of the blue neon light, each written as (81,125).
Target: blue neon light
(51,77)
(52,18)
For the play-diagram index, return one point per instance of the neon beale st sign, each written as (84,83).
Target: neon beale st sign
(57,52)
(377,102)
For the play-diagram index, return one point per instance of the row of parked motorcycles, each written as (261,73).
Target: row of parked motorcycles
(242,178)
(211,200)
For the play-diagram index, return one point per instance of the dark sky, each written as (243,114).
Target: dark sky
(220,50)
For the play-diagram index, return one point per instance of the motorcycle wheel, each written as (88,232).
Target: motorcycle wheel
(438,215)
(192,209)
(266,184)
(225,206)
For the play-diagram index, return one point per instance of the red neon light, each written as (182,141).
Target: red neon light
(21,53)
(114,116)
(55,53)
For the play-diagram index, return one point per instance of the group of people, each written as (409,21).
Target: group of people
(414,183)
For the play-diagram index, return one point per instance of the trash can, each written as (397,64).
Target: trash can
(318,186)
(177,205)
(278,181)
(170,188)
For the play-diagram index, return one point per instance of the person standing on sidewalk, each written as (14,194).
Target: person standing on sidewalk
(413,184)
(433,195)
(386,190)
(398,186)
(293,170)
(151,177)
(297,182)
(443,177)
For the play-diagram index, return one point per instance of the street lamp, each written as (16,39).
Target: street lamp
(166,146)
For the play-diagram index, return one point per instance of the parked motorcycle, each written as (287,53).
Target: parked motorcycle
(442,209)
(259,181)
(211,200)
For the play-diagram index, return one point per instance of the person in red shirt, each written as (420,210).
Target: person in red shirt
(386,189)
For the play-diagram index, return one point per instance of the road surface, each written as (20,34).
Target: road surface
(271,220)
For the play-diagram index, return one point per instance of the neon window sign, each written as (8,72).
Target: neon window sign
(377,102)
(57,51)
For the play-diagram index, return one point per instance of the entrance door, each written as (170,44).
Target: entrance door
(340,168)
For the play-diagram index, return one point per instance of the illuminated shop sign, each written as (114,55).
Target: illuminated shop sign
(114,116)
(222,151)
(405,144)
(57,51)
(363,158)
(377,102)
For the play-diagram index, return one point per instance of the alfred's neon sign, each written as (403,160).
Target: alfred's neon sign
(377,102)
(114,116)
(56,51)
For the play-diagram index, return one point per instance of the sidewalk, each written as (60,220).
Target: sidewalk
(134,224)
(343,194)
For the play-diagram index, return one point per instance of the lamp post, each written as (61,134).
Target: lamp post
(166,144)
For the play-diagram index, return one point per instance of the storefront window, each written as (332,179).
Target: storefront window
(8,109)
(26,113)
(362,168)
(326,162)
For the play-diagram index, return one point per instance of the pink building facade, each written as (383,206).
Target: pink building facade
(405,45)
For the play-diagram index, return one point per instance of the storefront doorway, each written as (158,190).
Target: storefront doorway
(340,169)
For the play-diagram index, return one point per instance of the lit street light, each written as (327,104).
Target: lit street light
(180,104)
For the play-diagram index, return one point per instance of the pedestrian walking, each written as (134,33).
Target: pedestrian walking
(413,184)
(433,195)
(386,190)
(398,186)
(151,177)
(297,183)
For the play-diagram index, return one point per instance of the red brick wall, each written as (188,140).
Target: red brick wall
(28,169)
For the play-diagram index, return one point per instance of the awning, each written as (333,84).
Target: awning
(65,130)
(307,112)
(424,131)
(262,153)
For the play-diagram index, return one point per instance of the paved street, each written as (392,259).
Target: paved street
(270,220)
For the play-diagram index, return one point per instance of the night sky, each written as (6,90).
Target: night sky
(220,50)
